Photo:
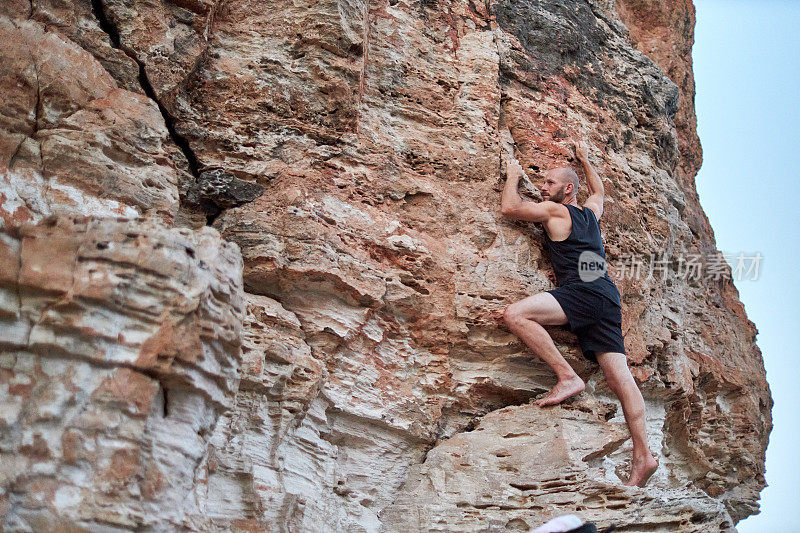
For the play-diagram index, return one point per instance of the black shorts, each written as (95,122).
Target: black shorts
(594,318)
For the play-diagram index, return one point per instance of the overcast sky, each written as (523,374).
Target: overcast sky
(747,72)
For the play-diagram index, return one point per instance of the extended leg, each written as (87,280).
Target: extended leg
(621,382)
(526,318)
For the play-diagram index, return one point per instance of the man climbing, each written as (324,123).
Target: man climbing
(586,299)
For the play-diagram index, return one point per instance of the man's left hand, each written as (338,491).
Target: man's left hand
(513,168)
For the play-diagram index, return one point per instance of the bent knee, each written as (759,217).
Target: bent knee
(619,381)
(514,315)
(613,383)
(510,315)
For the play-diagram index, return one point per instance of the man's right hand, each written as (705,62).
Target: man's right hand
(581,150)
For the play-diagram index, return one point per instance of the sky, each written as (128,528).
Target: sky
(747,76)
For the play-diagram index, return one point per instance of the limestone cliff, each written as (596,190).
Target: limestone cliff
(253,269)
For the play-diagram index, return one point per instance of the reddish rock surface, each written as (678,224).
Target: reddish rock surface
(331,354)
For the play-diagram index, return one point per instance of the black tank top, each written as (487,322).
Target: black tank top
(580,258)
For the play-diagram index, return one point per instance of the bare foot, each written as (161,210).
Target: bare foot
(642,470)
(562,391)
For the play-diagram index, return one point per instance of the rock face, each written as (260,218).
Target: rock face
(330,355)
(121,348)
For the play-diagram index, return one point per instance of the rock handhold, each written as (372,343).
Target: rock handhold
(225,189)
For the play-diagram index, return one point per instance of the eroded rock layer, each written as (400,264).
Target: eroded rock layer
(121,348)
(330,355)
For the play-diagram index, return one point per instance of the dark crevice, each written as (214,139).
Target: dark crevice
(212,212)
(105,24)
(14,155)
(165,406)
(113,33)
(169,121)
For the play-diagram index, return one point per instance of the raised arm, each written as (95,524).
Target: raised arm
(512,205)
(596,191)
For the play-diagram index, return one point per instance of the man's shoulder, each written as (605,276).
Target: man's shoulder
(538,211)
(556,209)
(596,207)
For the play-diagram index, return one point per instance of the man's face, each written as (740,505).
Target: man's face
(552,189)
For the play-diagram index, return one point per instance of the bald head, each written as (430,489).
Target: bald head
(555,185)
(566,175)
